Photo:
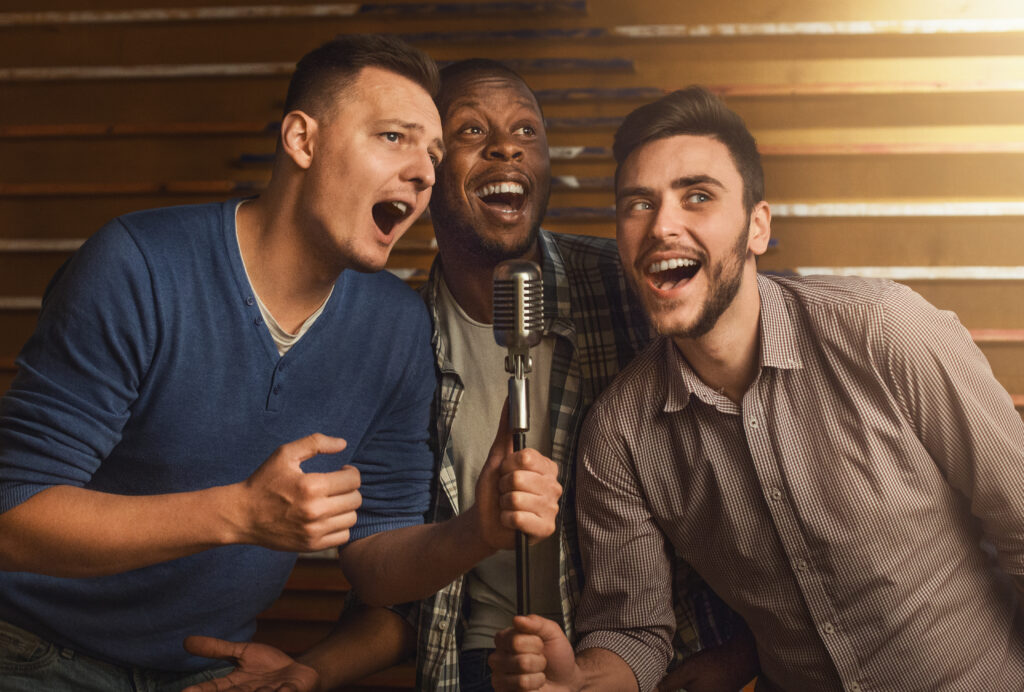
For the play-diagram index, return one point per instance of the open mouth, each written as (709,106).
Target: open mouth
(387,214)
(505,197)
(667,274)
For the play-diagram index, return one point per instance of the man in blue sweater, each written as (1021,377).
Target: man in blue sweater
(214,387)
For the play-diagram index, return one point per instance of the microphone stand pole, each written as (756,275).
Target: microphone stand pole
(519,422)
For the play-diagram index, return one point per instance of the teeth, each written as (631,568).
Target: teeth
(402,207)
(674,263)
(499,188)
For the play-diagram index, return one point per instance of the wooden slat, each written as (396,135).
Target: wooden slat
(280,12)
(919,273)
(909,27)
(270,69)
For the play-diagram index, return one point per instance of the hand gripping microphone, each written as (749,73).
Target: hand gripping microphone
(518,324)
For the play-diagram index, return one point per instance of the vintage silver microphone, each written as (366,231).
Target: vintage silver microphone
(518,325)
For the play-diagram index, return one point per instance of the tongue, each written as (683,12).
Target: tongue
(504,201)
(671,277)
(385,215)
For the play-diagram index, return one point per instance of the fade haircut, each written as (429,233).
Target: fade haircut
(453,73)
(324,74)
(694,111)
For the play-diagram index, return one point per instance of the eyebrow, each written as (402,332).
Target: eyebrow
(677,184)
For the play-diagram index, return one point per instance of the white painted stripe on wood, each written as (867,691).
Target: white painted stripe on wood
(179,14)
(839,28)
(922,273)
(43,74)
(858,209)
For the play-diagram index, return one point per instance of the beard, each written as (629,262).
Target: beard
(459,228)
(724,280)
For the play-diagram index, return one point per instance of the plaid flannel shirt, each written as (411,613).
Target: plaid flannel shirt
(599,326)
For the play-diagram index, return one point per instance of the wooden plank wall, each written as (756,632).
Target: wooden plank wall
(892,135)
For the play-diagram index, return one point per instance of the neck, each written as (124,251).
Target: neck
(286,272)
(470,279)
(726,357)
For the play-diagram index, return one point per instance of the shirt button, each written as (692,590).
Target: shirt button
(443,625)
(258,321)
(277,389)
(776,494)
(249,300)
(854,687)
(753,422)
(801,565)
(828,628)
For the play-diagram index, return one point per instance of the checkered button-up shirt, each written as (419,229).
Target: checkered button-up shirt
(839,507)
(599,328)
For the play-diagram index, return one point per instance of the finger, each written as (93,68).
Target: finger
(304,448)
(517,683)
(211,647)
(344,481)
(530,460)
(215,685)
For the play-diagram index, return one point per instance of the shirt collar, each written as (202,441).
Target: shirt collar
(778,349)
(778,333)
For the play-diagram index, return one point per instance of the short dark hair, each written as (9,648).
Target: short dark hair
(453,72)
(325,72)
(694,111)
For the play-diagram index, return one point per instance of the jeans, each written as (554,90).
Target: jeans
(474,673)
(31,664)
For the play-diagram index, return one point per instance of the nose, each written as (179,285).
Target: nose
(502,146)
(420,171)
(669,222)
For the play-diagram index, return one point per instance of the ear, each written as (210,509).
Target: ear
(298,137)
(760,231)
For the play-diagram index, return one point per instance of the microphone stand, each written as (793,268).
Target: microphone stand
(518,365)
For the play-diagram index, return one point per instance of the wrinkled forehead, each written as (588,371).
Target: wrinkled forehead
(470,87)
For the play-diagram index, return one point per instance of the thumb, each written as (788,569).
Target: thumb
(211,647)
(502,445)
(547,630)
(305,448)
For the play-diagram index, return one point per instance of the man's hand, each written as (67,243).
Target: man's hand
(533,654)
(287,509)
(516,491)
(724,668)
(258,667)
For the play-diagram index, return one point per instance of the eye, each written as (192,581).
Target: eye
(637,205)
(435,160)
(528,130)
(472,130)
(697,198)
(392,136)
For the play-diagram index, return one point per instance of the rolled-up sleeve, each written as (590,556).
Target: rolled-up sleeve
(626,604)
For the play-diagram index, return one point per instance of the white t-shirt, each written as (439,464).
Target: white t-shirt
(480,362)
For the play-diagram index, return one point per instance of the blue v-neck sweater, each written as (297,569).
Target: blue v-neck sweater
(151,372)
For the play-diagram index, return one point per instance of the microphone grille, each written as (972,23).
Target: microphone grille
(518,303)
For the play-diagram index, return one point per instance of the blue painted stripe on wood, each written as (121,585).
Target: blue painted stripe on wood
(569,64)
(599,94)
(288,11)
(557,154)
(598,123)
(571,182)
(508,35)
(476,8)
(576,153)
